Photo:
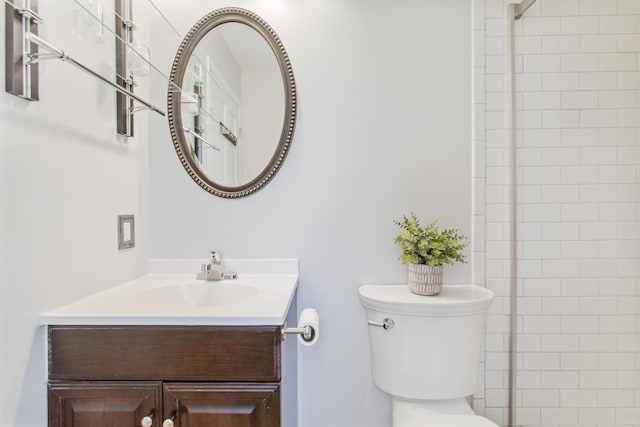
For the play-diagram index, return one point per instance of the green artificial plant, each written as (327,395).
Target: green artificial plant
(429,245)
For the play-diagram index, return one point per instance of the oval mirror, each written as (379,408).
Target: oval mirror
(231,102)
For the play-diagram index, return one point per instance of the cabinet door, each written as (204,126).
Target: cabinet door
(223,404)
(103,404)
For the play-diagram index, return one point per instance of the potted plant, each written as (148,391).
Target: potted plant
(425,250)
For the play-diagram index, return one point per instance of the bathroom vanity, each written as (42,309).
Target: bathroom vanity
(195,375)
(183,358)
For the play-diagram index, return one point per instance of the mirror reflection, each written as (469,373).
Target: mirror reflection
(233,107)
(232,103)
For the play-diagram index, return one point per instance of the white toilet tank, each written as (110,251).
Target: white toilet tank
(433,349)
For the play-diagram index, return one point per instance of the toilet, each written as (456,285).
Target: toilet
(425,351)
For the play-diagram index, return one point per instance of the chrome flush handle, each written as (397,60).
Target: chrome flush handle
(387,323)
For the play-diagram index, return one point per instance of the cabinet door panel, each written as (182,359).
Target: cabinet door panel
(99,404)
(223,405)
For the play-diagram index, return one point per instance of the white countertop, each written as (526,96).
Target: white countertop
(166,296)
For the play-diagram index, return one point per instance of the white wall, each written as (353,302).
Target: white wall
(578,75)
(383,129)
(64,178)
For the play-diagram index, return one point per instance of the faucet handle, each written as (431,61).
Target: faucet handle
(216,258)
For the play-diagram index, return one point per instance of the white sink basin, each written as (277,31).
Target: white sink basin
(170,295)
(197,294)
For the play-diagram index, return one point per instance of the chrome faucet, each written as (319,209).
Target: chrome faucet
(209,271)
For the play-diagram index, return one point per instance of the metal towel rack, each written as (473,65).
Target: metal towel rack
(62,55)
(21,61)
(197,135)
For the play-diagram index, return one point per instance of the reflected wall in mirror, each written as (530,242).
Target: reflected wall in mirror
(232,103)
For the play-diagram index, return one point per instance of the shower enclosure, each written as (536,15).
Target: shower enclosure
(575,306)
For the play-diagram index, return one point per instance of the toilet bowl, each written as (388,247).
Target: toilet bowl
(440,413)
(425,351)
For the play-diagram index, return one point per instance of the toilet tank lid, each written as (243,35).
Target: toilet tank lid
(454,300)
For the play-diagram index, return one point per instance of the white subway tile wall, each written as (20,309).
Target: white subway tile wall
(578,138)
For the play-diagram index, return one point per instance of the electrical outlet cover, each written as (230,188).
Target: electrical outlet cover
(126,232)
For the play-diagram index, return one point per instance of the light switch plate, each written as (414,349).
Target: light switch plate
(126,232)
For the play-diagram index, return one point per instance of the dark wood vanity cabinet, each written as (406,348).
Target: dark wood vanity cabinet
(201,376)
(223,405)
(102,404)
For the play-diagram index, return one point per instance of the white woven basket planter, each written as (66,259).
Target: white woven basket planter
(425,280)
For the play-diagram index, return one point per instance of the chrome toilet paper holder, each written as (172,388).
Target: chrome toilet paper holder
(307,333)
